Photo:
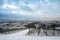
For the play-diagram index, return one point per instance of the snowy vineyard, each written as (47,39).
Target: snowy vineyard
(32,31)
(44,29)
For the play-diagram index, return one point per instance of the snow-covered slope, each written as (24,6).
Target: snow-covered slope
(21,36)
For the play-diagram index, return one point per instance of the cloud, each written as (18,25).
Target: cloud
(10,6)
(32,8)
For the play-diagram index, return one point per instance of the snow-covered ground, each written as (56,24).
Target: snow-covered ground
(22,36)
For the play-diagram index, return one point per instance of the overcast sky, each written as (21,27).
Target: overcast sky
(31,8)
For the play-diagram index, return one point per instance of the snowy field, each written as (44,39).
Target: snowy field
(22,36)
